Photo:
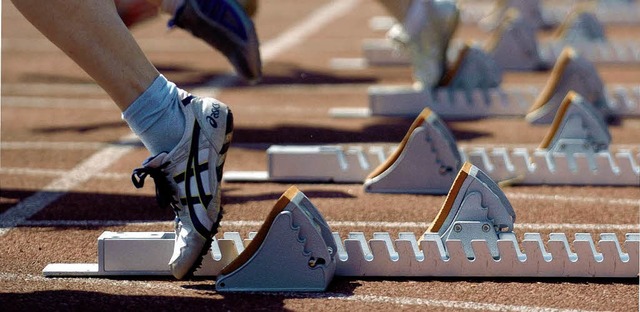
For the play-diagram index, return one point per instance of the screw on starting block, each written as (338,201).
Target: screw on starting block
(294,250)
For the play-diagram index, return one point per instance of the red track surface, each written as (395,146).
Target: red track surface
(47,99)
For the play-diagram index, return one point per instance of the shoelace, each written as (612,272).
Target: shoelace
(163,188)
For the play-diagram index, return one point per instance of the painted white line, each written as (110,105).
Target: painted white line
(59,172)
(342,63)
(107,156)
(434,303)
(335,224)
(311,24)
(579,199)
(632,202)
(387,300)
(47,89)
(56,102)
(6,276)
(54,190)
(34,145)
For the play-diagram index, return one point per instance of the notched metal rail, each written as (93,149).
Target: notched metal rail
(455,104)
(384,256)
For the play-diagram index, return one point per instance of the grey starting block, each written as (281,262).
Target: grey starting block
(295,234)
(609,13)
(571,72)
(295,253)
(426,161)
(381,52)
(474,209)
(514,45)
(575,152)
(472,235)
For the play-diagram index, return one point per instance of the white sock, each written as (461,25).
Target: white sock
(156,116)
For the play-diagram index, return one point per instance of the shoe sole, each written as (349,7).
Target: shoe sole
(197,22)
(216,225)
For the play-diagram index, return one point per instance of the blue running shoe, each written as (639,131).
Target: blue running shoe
(224,25)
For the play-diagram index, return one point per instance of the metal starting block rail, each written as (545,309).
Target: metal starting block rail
(457,104)
(472,235)
(147,253)
(620,14)
(382,52)
(352,164)
(576,151)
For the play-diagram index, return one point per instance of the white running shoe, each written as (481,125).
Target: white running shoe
(426,31)
(188,180)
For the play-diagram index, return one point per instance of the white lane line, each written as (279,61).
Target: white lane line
(449,304)
(47,89)
(58,187)
(311,24)
(109,155)
(581,199)
(102,175)
(335,224)
(59,172)
(56,102)
(36,145)
(388,300)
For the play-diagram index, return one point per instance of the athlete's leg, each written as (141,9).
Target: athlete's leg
(91,33)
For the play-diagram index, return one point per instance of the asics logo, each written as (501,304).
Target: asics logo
(213,115)
(193,173)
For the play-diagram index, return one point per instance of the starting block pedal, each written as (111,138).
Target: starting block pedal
(575,151)
(425,161)
(475,208)
(570,72)
(293,251)
(581,25)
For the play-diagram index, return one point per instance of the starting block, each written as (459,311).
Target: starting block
(621,13)
(294,233)
(425,161)
(472,235)
(570,72)
(514,44)
(475,209)
(574,152)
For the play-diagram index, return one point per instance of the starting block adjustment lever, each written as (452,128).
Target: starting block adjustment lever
(294,250)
